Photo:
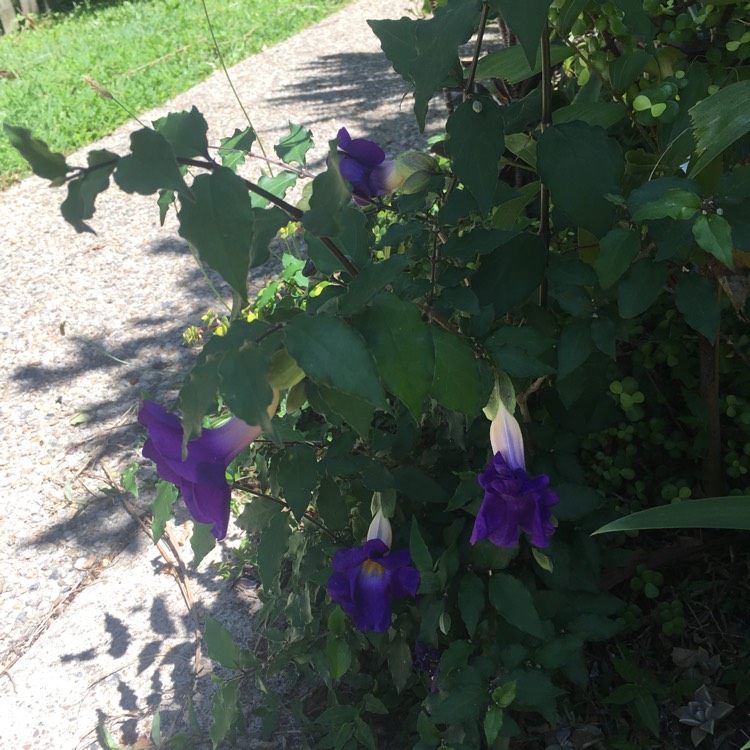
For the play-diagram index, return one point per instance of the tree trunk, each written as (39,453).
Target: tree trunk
(8,18)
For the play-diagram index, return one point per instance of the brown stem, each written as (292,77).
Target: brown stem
(477,49)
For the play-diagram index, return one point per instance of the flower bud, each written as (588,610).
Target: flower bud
(380,528)
(506,438)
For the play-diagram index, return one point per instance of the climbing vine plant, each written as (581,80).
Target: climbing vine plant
(489,350)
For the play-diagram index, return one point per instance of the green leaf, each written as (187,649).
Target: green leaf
(82,191)
(234,148)
(293,147)
(156,729)
(508,275)
(339,657)
(517,351)
(330,505)
(580,164)
(718,121)
(351,409)
(221,646)
(526,21)
(475,145)
(493,723)
(575,346)
(569,12)
(535,691)
(461,381)
(510,63)
(371,279)
(244,386)
(471,601)
(219,224)
(331,196)
(276,185)
(399,663)
(43,162)
(731,512)
(335,355)
(106,738)
(576,501)
(272,548)
(225,711)
(514,603)
(674,203)
(202,541)
(161,507)
(424,52)
(646,711)
(297,473)
(559,652)
(617,250)
(198,392)
(402,345)
(150,166)
(602,114)
(627,68)
(186,132)
(697,299)
(640,288)
(420,554)
(714,235)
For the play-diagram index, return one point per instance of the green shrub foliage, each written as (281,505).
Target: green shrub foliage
(575,250)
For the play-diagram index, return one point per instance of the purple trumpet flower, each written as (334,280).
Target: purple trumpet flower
(512,499)
(366,579)
(201,477)
(363,164)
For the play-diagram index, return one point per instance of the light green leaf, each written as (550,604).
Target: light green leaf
(276,185)
(234,148)
(335,355)
(475,144)
(43,162)
(161,507)
(150,166)
(674,203)
(202,541)
(225,711)
(293,147)
(221,646)
(339,657)
(510,63)
(493,723)
(732,512)
(713,233)
(513,602)
(718,121)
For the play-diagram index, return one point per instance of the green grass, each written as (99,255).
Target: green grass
(143,51)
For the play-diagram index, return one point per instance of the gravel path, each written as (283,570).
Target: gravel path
(92,322)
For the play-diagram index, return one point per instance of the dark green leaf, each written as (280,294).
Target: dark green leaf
(697,299)
(399,663)
(617,250)
(527,21)
(266,224)
(674,203)
(244,387)
(461,381)
(82,191)
(708,513)
(234,148)
(714,235)
(475,144)
(339,657)
(334,355)
(569,13)
(604,336)
(371,279)
(576,501)
(640,288)
(186,132)
(517,351)
(420,554)
(575,346)
(718,121)
(43,162)
(493,723)
(580,164)
(293,147)
(636,19)
(202,541)
(198,392)
(514,603)
(471,601)
(603,114)
(510,63)
(330,505)
(401,343)
(297,473)
(150,166)
(221,646)
(331,196)
(165,202)
(424,52)
(219,224)
(272,548)
(508,275)
(351,409)
(646,711)
(161,507)
(627,68)
(558,652)
(535,690)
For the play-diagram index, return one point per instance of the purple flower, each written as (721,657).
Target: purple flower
(363,165)
(366,579)
(512,499)
(201,477)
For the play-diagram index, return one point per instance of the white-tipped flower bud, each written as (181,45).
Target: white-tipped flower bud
(380,528)
(506,438)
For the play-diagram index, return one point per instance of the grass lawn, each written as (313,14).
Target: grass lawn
(143,51)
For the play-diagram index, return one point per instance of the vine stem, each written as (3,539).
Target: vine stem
(544,201)
(477,49)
